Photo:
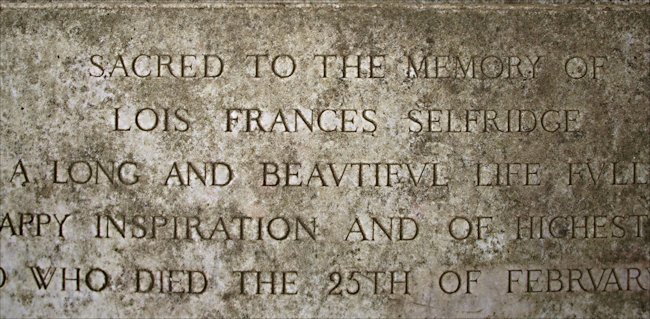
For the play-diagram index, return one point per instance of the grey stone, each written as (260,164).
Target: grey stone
(552,94)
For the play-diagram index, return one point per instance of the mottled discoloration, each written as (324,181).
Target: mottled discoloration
(52,109)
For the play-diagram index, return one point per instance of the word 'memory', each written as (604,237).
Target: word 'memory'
(473,67)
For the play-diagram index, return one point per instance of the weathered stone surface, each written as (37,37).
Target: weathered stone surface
(66,102)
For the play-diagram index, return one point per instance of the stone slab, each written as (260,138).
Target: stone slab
(392,159)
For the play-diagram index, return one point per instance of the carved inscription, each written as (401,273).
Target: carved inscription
(324,160)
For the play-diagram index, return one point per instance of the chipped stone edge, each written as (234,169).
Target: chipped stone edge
(553,5)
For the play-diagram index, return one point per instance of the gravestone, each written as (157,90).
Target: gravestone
(324,159)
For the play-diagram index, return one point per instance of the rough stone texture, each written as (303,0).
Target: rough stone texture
(52,109)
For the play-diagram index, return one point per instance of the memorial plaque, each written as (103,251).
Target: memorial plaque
(324,159)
